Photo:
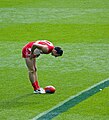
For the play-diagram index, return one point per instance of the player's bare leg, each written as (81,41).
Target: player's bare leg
(31,64)
(32,72)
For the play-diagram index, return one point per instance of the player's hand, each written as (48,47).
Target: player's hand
(31,56)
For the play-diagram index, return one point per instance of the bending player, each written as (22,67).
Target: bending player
(30,52)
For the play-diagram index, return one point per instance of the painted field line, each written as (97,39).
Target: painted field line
(72,101)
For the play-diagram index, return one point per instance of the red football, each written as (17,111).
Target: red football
(50,89)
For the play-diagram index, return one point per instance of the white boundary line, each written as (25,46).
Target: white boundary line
(71,97)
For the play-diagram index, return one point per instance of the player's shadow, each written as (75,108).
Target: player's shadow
(19,101)
(23,96)
(15,102)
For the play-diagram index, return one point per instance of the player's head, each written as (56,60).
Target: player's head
(57,51)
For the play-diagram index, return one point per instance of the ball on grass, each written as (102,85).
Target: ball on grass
(50,89)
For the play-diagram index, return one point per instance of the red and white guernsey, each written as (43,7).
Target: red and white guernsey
(27,48)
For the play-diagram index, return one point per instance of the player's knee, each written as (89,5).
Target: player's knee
(35,69)
(32,70)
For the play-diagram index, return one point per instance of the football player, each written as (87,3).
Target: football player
(30,52)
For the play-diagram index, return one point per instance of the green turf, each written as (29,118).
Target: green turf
(94,108)
(81,28)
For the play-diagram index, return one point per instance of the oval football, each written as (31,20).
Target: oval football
(50,89)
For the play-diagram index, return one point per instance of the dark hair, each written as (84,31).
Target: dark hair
(59,50)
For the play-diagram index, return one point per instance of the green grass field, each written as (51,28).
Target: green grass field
(81,28)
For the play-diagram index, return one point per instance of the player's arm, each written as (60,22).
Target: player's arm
(43,48)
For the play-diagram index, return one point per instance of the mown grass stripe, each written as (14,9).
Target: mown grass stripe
(52,15)
(72,101)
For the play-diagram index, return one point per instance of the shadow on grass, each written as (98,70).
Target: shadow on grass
(15,102)
(20,101)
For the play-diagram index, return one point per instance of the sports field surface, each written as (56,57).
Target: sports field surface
(80,76)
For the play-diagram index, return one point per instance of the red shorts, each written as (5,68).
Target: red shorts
(26,53)
(26,50)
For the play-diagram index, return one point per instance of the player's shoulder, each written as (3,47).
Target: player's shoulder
(44,42)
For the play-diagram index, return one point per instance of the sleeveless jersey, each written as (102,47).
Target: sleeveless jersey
(27,48)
